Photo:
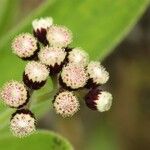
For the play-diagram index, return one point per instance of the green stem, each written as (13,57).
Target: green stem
(81,93)
(55,81)
(48,95)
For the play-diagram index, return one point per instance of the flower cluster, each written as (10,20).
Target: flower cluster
(50,55)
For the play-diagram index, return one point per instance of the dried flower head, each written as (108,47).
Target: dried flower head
(53,57)
(78,56)
(66,104)
(73,76)
(14,94)
(59,36)
(99,100)
(24,46)
(97,74)
(40,27)
(22,123)
(35,75)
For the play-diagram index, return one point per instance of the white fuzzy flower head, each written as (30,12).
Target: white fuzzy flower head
(78,56)
(36,71)
(24,45)
(52,55)
(59,36)
(42,23)
(97,72)
(66,104)
(22,123)
(74,76)
(97,99)
(104,101)
(14,94)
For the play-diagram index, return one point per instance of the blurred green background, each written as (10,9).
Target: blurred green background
(109,31)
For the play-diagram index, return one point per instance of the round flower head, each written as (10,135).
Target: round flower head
(40,27)
(99,100)
(22,123)
(53,57)
(35,75)
(73,76)
(78,56)
(59,36)
(66,104)
(14,94)
(97,74)
(25,46)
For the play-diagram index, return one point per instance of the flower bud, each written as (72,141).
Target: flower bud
(78,56)
(53,57)
(25,46)
(66,104)
(99,100)
(22,123)
(40,27)
(59,36)
(97,74)
(35,75)
(14,94)
(73,76)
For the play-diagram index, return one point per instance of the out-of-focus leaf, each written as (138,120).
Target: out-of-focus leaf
(8,11)
(40,140)
(3,8)
(103,137)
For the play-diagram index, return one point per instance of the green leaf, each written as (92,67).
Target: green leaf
(8,11)
(98,26)
(3,8)
(103,137)
(40,140)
